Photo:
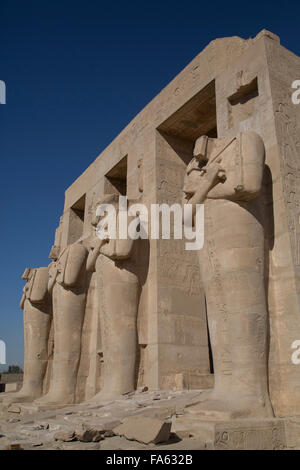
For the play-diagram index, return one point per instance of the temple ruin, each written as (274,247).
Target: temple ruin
(109,317)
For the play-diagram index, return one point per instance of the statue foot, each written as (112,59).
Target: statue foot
(5,395)
(106,395)
(21,398)
(54,399)
(231,409)
(24,395)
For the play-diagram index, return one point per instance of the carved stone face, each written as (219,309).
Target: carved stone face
(54,252)
(191,183)
(201,149)
(193,171)
(112,199)
(27,274)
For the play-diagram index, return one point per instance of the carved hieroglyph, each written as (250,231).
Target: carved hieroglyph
(226,175)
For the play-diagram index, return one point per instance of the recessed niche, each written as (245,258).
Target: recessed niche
(241,104)
(195,118)
(116,178)
(76,221)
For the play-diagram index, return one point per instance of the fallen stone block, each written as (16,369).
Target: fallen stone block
(14,409)
(41,427)
(144,429)
(37,444)
(65,436)
(85,433)
(95,433)
(14,447)
(184,434)
(110,425)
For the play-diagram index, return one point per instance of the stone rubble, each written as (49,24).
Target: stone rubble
(138,423)
(120,424)
(144,429)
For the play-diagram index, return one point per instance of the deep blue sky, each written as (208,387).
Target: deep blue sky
(76,73)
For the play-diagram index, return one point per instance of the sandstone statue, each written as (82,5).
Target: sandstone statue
(226,176)
(36,304)
(67,285)
(143,306)
(117,290)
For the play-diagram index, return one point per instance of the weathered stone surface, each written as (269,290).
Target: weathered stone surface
(192,432)
(37,444)
(250,435)
(186,444)
(65,436)
(158,412)
(264,434)
(14,409)
(184,434)
(110,425)
(13,420)
(14,447)
(121,443)
(77,445)
(42,426)
(292,430)
(144,429)
(191,380)
(86,433)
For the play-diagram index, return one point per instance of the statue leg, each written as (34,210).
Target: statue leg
(68,314)
(232,266)
(37,324)
(118,323)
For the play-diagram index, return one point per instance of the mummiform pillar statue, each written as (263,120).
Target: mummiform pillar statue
(226,176)
(36,304)
(67,285)
(118,290)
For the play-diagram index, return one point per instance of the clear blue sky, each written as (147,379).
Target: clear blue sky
(76,73)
